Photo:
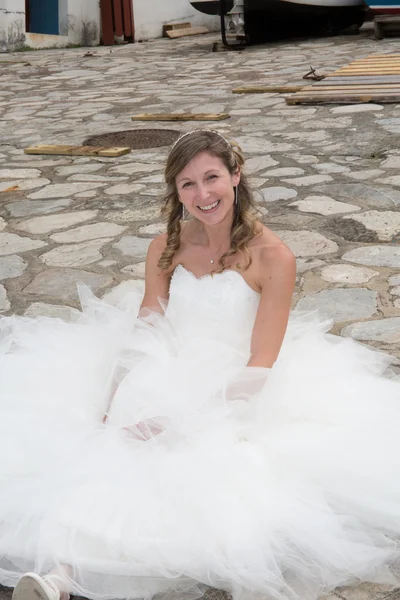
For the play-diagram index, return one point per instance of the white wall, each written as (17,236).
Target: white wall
(80,19)
(79,24)
(12,24)
(151,15)
(84,22)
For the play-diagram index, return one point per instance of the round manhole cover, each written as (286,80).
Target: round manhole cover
(135,138)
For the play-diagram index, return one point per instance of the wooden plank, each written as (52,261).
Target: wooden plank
(366,72)
(395,98)
(107,27)
(127,17)
(111,152)
(361,73)
(368,68)
(365,86)
(173,26)
(378,57)
(180,117)
(351,90)
(369,59)
(269,89)
(387,70)
(178,33)
(385,65)
(361,79)
(117,10)
(340,93)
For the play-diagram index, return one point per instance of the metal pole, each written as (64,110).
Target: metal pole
(222,7)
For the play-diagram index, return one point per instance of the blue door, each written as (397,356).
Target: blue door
(44,16)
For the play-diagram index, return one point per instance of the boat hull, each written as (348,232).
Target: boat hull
(384,7)
(275,19)
(268,20)
(210,7)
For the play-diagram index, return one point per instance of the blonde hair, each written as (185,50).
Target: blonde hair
(244,225)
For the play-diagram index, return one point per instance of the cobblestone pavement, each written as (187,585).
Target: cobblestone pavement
(327,177)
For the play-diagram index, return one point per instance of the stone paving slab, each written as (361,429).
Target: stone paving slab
(326,178)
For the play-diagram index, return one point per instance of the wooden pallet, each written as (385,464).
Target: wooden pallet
(375,78)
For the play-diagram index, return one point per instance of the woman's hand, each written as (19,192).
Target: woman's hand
(245,383)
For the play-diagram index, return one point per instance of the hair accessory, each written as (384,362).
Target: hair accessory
(200,130)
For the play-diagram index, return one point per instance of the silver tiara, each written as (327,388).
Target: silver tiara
(200,130)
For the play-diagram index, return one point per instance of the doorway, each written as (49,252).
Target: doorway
(42,16)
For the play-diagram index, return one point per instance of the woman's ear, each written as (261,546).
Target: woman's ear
(236,178)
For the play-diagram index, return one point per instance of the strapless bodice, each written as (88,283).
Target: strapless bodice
(221,306)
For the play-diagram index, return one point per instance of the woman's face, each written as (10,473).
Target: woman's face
(205,188)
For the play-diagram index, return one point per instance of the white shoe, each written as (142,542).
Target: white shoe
(33,587)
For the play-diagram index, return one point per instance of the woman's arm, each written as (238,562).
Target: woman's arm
(156,289)
(277,278)
(156,281)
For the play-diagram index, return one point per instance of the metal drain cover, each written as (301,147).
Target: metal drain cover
(136,139)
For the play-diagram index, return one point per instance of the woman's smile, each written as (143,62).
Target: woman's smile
(210,207)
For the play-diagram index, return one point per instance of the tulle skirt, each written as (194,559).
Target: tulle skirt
(279,483)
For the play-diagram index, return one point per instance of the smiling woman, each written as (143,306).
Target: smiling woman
(205,177)
(197,436)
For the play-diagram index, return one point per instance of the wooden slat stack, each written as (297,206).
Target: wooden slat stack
(375,78)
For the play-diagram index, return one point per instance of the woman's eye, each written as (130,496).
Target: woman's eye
(187,184)
(212,177)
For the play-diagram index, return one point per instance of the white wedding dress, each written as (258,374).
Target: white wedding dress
(270,483)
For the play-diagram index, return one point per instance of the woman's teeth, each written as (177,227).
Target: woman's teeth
(209,207)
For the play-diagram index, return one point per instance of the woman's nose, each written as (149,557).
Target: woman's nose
(202,192)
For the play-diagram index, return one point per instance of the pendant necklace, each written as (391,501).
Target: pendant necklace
(212,260)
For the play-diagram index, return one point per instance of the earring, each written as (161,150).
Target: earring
(236,195)
(183,212)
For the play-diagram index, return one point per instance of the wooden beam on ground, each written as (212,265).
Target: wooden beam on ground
(370,71)
(111,152)
(344,99)
(268,89)
(178,33)
(180,117)
(175,26)
(350,80)
(367,87)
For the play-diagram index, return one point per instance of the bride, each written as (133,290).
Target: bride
(198,436)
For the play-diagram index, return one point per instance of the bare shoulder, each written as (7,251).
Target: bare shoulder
(157,246)
(272,258)
(155,250)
